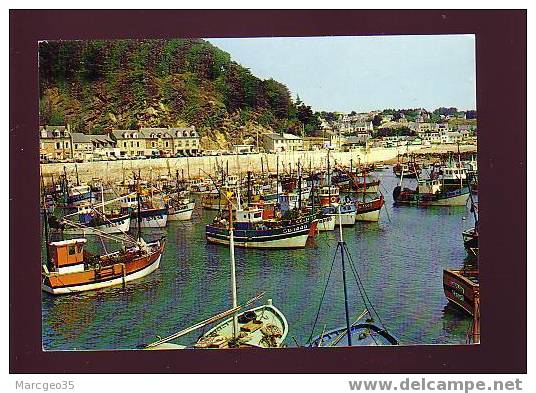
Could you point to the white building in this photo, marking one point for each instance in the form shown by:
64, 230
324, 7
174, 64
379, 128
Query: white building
277, 143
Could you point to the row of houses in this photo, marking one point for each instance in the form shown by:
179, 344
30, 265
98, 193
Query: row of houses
58, 143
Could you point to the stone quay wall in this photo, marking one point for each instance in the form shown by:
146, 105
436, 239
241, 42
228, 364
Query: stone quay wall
113, 171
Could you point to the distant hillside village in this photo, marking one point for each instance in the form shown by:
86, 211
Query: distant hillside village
337, 131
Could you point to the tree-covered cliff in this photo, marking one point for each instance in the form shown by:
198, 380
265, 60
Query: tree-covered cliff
99, 85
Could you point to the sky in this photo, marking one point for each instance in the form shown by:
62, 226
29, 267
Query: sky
365, 73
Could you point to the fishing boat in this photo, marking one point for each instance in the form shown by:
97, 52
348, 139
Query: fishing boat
92, 222
380, 166
363, 333
364, 330
431, 193
361, 183
216, 199
343, 214
261, 327
462, 288
180, 207
180, 210
70, 269
370, 186
79, 194
368, 210
252, 231
453, 176
152, 216
92, 219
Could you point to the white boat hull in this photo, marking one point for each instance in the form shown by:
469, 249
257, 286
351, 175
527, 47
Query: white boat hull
104, 284
326, 223
151, 222
183, 214
292, 242
344, 218
459, 200
372, 190
372, 216
118, 227
267, 314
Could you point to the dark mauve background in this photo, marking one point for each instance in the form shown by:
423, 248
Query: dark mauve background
501, 105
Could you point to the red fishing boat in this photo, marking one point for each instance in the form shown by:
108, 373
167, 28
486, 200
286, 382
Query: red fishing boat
369, 210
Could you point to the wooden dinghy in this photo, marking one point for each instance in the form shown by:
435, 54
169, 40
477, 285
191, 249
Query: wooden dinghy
262, 327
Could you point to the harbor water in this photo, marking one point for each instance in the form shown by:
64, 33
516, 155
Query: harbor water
400, 261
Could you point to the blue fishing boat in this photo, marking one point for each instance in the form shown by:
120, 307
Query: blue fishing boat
359, 332
252, 231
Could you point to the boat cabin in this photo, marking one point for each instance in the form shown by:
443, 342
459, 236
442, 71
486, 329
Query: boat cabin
328, 195
68, 255
249, 216
80, 190
232, 180
328, 191
454, 173
268, 209
429, 186
130, 200
289, 201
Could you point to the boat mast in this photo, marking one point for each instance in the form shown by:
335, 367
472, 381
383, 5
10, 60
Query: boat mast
312, 196
233, 270
277, 181
299, 187
102, 197
45, 222
460, 170
188, 167
249, 188
76, 170
219, 190
65, 185
347, 311
329, 184
364, 183
139, 212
